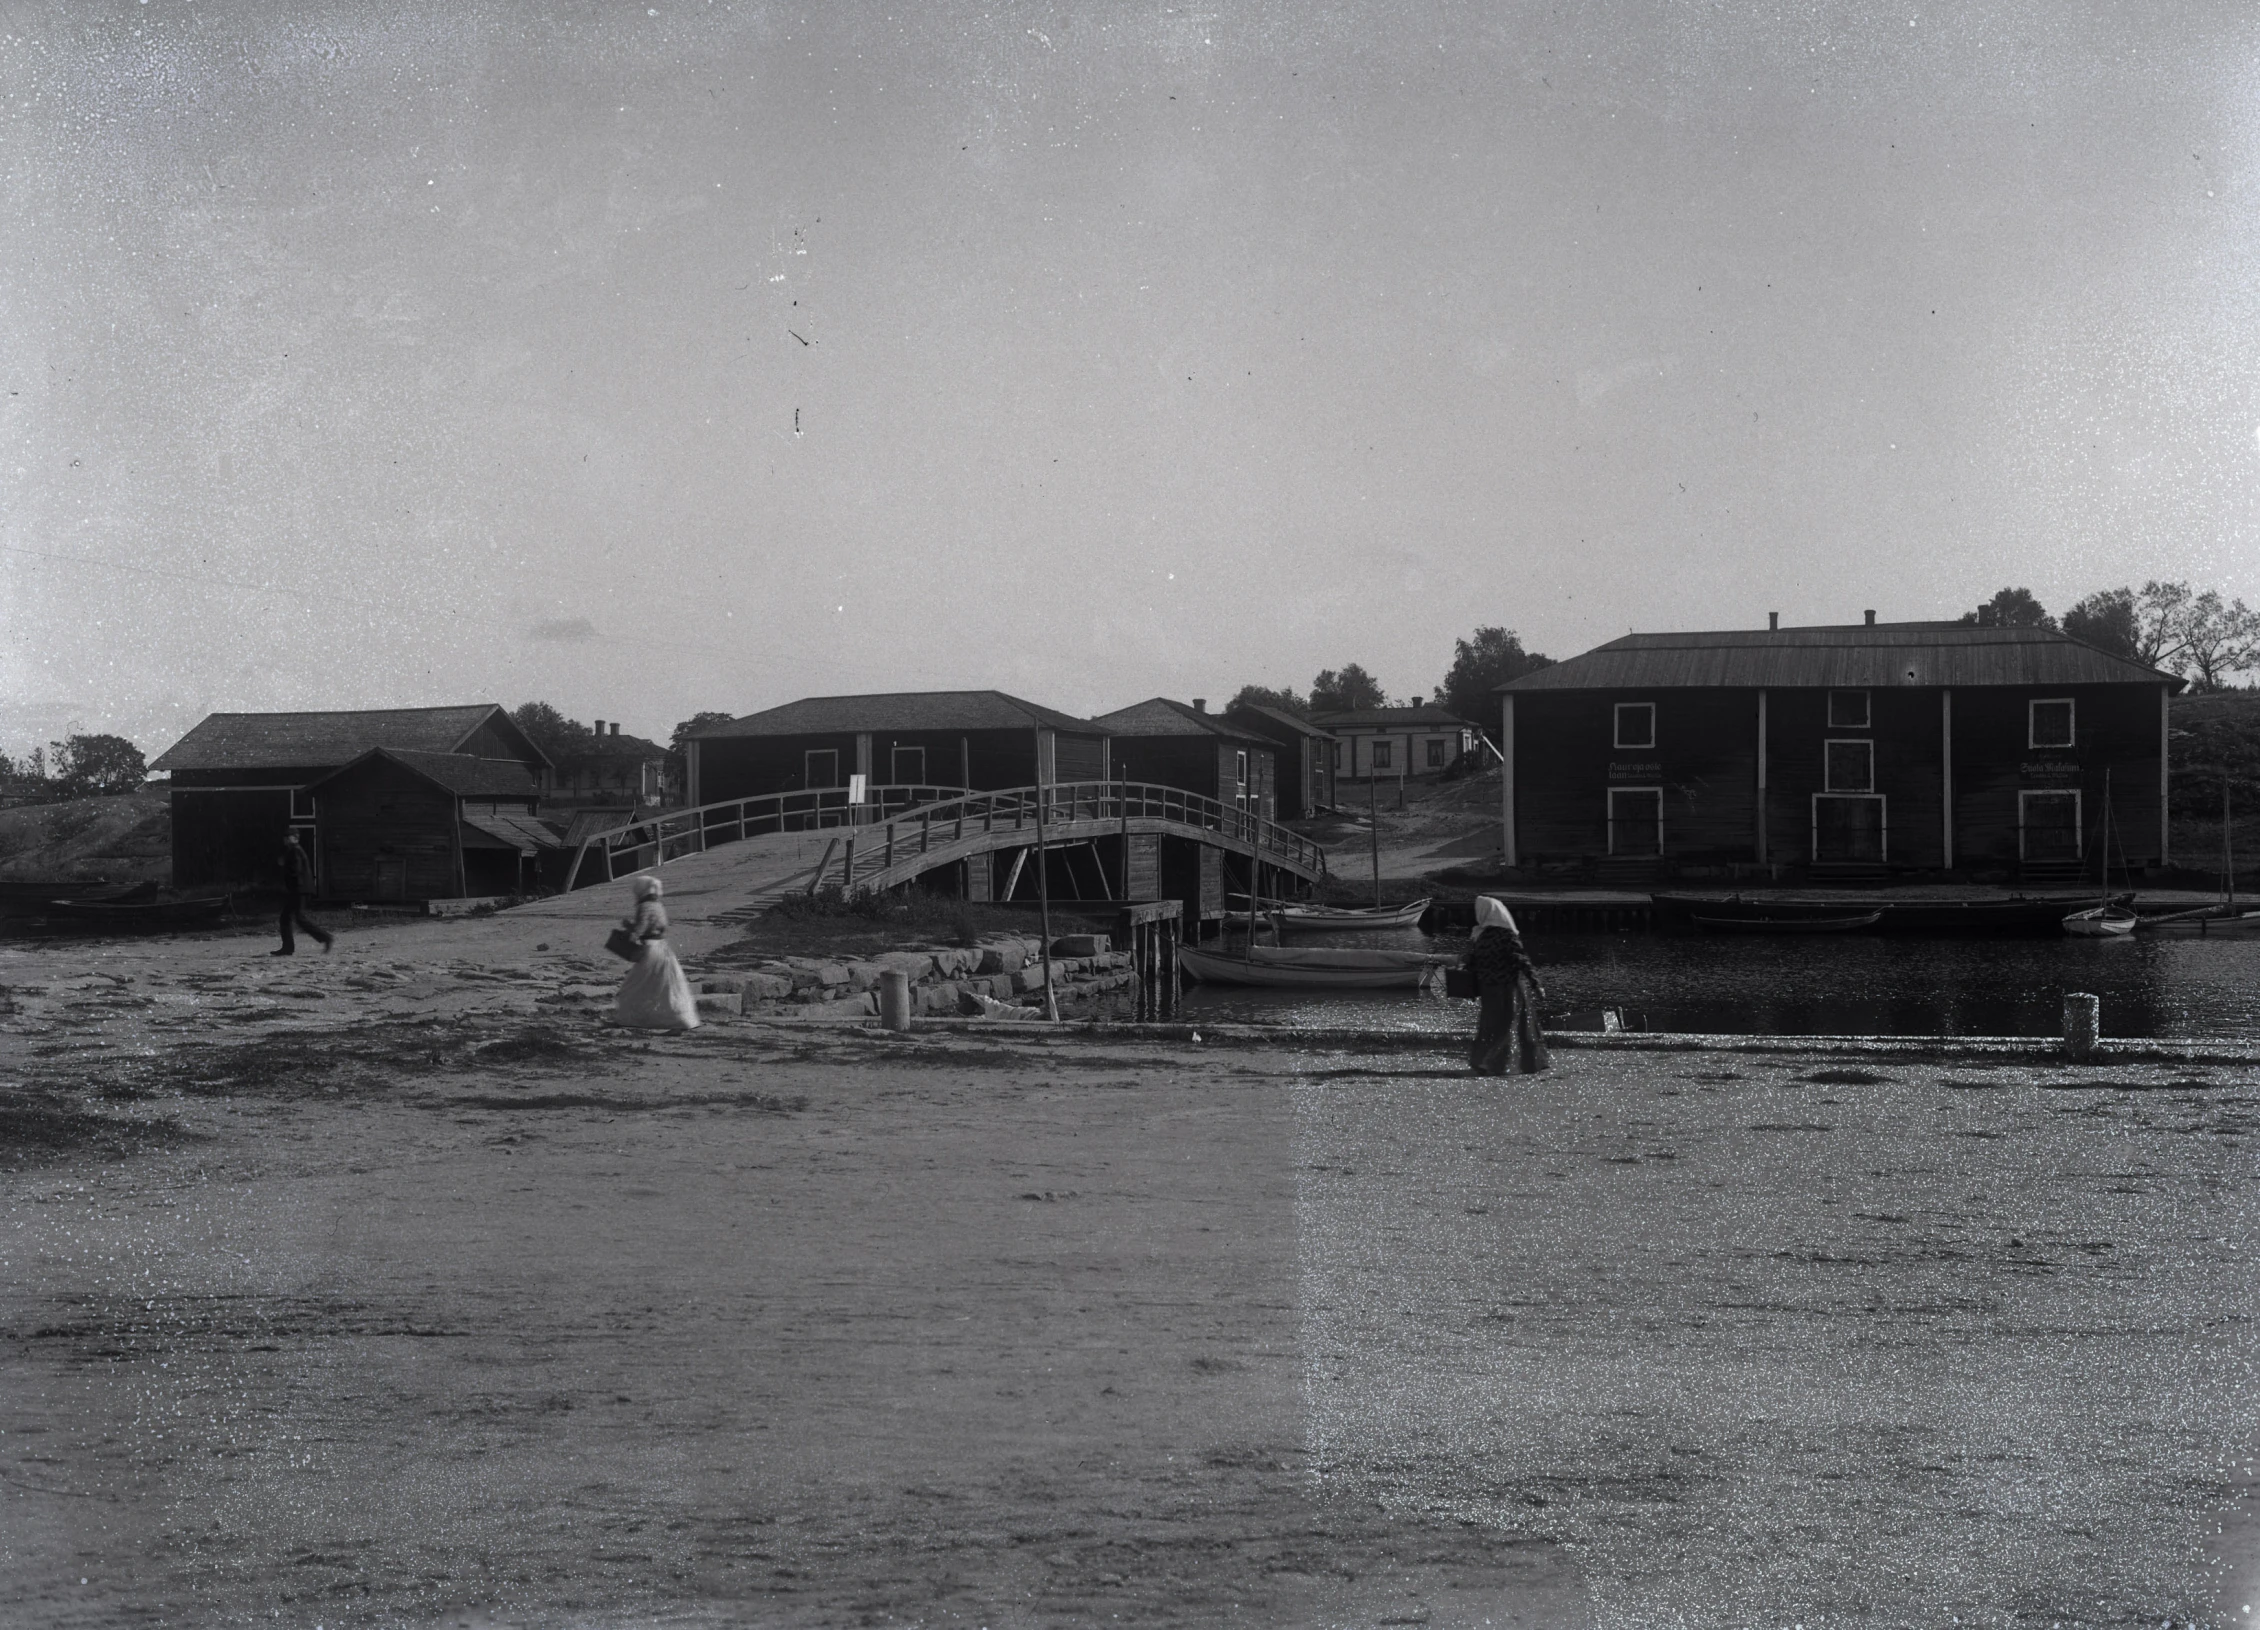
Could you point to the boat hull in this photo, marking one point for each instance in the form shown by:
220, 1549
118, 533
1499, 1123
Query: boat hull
1849, 923
1322, 919
2100, 923
1309, 970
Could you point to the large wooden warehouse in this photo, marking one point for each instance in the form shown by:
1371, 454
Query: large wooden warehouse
1942, 747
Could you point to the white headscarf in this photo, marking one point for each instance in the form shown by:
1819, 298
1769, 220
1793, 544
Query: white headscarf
645, 888
1491, 913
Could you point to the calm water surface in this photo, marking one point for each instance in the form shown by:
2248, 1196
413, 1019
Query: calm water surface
1836, 985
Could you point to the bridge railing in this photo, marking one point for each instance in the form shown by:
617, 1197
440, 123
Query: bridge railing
888, 843
653, 840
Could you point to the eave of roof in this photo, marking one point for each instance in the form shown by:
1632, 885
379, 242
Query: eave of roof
1861, 656
1294, 721
244, 741
900, 710
457, 773
1160, 716
1382, 717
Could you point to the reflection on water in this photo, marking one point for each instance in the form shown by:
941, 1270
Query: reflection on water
1807, 985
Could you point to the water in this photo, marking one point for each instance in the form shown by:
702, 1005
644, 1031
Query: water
1852, 984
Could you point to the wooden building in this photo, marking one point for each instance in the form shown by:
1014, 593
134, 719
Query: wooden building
1305, 755
975, 739
402, 825
1937, 747
240, 780
1413, 743
1173, 745
614, 770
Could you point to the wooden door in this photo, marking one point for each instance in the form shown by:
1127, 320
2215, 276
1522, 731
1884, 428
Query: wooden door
1636, 821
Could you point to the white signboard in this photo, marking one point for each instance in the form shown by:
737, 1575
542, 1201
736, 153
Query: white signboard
859, 789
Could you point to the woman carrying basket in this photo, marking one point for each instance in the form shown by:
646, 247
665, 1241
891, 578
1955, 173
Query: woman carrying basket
655, 995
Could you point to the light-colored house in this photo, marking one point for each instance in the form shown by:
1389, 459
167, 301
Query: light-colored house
1396, 743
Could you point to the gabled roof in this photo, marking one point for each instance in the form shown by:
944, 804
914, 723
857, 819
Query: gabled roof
1159, 716
1278, 715
1392, 718
900, 711
639, 748
459, 773
1861, 656
244, 741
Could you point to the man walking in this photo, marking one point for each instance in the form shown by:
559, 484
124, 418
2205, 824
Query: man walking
297, 880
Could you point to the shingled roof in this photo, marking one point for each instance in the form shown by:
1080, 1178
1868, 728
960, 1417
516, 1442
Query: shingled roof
1159, 716
1278, 715
900, 711
1862, 656
1393, 718
245, 741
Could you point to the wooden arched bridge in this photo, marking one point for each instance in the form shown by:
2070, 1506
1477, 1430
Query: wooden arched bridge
1103, 840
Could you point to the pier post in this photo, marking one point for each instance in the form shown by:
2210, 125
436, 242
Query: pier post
2083, 1024
894, 999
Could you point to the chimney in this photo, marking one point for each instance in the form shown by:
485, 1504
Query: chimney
616, 722
1200, 704
1416, 701
600, 727
1870, 616
1773, 621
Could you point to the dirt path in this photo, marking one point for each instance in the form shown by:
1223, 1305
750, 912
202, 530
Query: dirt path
460, 1319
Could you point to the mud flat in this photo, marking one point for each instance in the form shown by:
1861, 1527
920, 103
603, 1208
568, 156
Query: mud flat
496, 1317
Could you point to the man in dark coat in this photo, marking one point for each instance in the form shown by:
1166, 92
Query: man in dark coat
297, 882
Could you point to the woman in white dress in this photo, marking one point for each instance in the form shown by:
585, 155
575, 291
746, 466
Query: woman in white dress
655, 995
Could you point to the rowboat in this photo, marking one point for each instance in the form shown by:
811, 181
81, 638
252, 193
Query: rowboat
2213, 924
2101, 922
1311, 919
140, 915
1850, 922
1313, 968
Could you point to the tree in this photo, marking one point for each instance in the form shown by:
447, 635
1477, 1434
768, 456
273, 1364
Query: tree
1480, 666
2011, 608
2161, 611
1286, 701
2109, 621
1346, 691
550, 730
2218, 639
97, 765
697, 721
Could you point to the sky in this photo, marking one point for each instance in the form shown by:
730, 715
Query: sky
696, 355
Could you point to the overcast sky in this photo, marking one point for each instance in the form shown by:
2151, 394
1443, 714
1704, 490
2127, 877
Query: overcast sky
661, 357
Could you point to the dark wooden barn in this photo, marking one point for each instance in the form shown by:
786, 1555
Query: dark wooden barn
1305, 757
240, 780
1168, 744
1934, 747
402, 825
975, 739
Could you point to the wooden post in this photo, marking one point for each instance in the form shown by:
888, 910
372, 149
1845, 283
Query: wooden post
1373, 826
1761, 834
1043, 884
2165, 843
1510, 846
1946, 776
2083, 1025
1124, 797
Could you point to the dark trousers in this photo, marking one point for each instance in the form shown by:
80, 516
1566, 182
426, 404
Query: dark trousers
294, 911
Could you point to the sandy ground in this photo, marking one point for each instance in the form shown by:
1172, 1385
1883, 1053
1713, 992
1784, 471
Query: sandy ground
376, 1290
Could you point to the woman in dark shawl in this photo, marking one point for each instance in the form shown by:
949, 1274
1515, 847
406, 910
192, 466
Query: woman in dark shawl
1507, 1037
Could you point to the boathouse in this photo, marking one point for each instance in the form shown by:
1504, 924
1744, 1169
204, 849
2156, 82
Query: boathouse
240, 781
1305, 757
1173, 745
398, 825
1413, 743
1856, 750
976, 739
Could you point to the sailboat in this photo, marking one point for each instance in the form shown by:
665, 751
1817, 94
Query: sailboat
2110, 919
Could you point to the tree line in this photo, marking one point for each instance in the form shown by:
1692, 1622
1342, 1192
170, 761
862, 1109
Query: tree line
2197, 636
84, 764
1481, 663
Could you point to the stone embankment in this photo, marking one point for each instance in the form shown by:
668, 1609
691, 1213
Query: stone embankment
944, 980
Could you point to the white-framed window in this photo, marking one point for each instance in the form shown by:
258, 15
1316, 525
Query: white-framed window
908, 766
822, 767
1240, 768
1848, 710
2051, 722
1337, 756
1384, 756
301, 804
1636, 820
1436, 752
1848, 765
2048, 824
1636, 724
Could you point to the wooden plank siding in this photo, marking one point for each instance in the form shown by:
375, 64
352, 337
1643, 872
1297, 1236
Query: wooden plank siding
1705, 761
752, 766
379, 813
